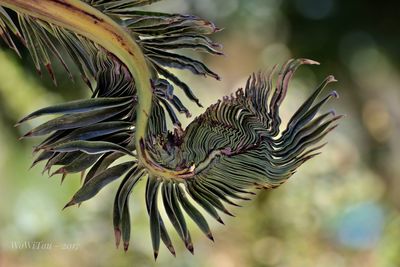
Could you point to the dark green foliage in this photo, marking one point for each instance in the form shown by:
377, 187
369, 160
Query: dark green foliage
236, 146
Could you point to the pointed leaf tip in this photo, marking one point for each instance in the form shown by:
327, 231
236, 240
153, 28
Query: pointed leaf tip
199, 104
126, 246
28, 134
331, 78
32, 165
309, 62
63, 178
190, 247
335, 94
332, 112
71, 203
210, 236
59, 171
229, 213
172, 250
117, 234
155, 255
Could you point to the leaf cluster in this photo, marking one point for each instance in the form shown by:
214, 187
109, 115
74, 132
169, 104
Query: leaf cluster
235, 147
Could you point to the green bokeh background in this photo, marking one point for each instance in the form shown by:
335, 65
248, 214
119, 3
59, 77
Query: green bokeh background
339, 210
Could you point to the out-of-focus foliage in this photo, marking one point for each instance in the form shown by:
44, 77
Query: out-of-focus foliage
340, 211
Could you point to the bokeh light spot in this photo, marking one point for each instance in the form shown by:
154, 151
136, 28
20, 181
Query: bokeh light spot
360, 226
377, 120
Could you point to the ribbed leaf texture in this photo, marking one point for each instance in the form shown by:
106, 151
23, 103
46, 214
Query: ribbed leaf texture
235, 147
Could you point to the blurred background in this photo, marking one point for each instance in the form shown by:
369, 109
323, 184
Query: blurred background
341, 209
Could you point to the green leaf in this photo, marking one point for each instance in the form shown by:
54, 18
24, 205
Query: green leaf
44, 155
193, 212
102, 164
79, 106
74, 121
126, 225
186, 41
152, 208
173, 60
117, 6
117, 216
134, 177
209, 196
186, 89
91, 188
165, 237
93, 131
175, 215
91, 147
61, 159
203, 202
8, 29
78, 164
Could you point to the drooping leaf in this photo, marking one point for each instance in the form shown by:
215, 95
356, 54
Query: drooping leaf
75, 121
152, 209
91, 188
78, 164
102, 164
175, 214
196, 216
94, 147
79, 106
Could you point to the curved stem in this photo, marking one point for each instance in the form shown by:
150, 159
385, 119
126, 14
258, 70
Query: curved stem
87, 21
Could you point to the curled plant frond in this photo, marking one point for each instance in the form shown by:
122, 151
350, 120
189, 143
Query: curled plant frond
125, 55
236, 146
